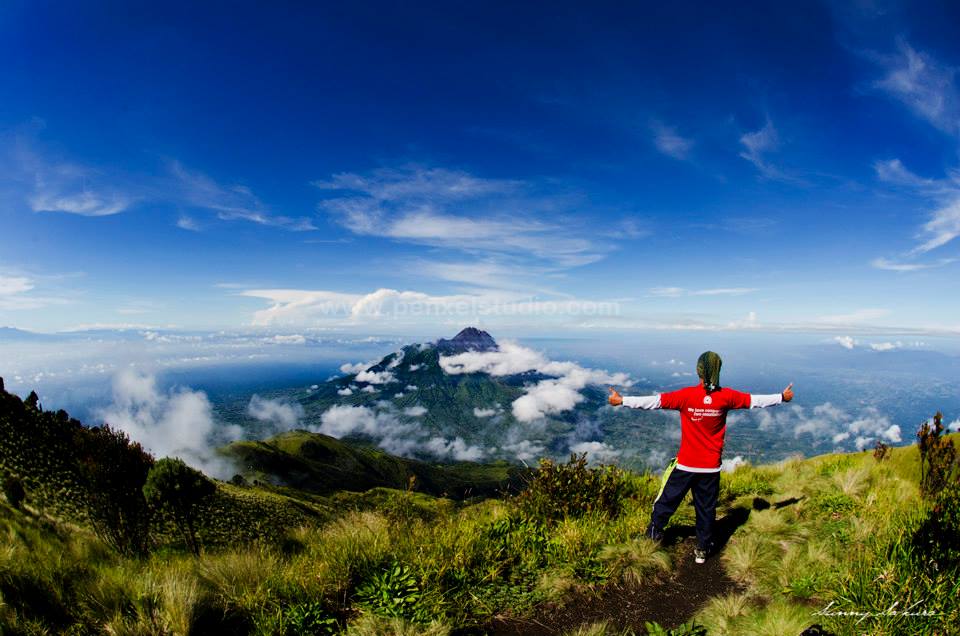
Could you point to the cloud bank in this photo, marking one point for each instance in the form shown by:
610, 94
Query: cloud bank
277, 414
399, 433
177, 423
547, 397
828, 422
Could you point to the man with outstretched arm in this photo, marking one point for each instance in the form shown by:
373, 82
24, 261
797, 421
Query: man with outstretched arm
703, 424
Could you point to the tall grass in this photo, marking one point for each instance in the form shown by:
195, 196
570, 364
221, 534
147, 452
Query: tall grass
834, 529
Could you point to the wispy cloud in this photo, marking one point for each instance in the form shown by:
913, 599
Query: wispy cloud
669, 142
70, 188
897, 266
759, 143
187, 223
408, 307
864, 315
54, 185
757, 146
17, 293
230, 203
293, 306
943, 225
678, 292
923, 85
455, 210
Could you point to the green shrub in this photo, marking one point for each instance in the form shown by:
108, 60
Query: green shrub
13, 491
394, 591
309, 618
573, 489
687, 629
176, 488
937, 457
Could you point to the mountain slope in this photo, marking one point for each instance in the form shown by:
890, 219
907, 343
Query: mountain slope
412, 386
322, 464
795, 537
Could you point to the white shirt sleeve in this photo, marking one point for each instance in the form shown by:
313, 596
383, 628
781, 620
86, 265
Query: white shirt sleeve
642, 401
762, 401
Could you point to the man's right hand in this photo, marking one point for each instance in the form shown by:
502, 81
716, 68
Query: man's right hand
788, 393
615, 398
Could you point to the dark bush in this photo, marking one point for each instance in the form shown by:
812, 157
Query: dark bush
881, 451
939, 535
177, 489
937, 457
573, 489
13, 491
114, 470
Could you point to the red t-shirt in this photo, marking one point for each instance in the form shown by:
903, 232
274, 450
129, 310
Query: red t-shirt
703, 422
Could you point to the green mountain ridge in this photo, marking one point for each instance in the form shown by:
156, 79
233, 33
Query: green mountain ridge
322, 464
475, 407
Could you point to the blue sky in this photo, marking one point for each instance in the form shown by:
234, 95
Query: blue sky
397, 168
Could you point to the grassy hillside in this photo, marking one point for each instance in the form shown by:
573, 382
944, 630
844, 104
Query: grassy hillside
322, 464
802, 534
835, 540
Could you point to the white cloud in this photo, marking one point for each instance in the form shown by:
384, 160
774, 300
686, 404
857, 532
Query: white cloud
677, 292
405, 437
954, 425
924, 85
757, 145
291, 339
10, 285
432, 206
455, 448
410, 387
81, 203
294, 306
943, 224
376, 377
847, 342
886, 346
597, 452
827, 421
899, 266
415, 411
230, 203
355, 367
18, 293
345, 391
178, 423
282, 415
72, 189
185, 222
855, 317
524, 449
547, 397
669, 142
478, 412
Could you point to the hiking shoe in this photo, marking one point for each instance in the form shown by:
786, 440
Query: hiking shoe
654, 533
699, 555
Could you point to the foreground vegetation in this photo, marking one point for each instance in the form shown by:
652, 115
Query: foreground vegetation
815, 540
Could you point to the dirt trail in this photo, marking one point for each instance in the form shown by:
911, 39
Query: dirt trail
670, 599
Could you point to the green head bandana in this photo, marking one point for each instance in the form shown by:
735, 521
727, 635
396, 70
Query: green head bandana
708, 368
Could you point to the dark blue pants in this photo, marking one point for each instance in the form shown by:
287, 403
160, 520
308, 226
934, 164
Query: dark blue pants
676, 483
